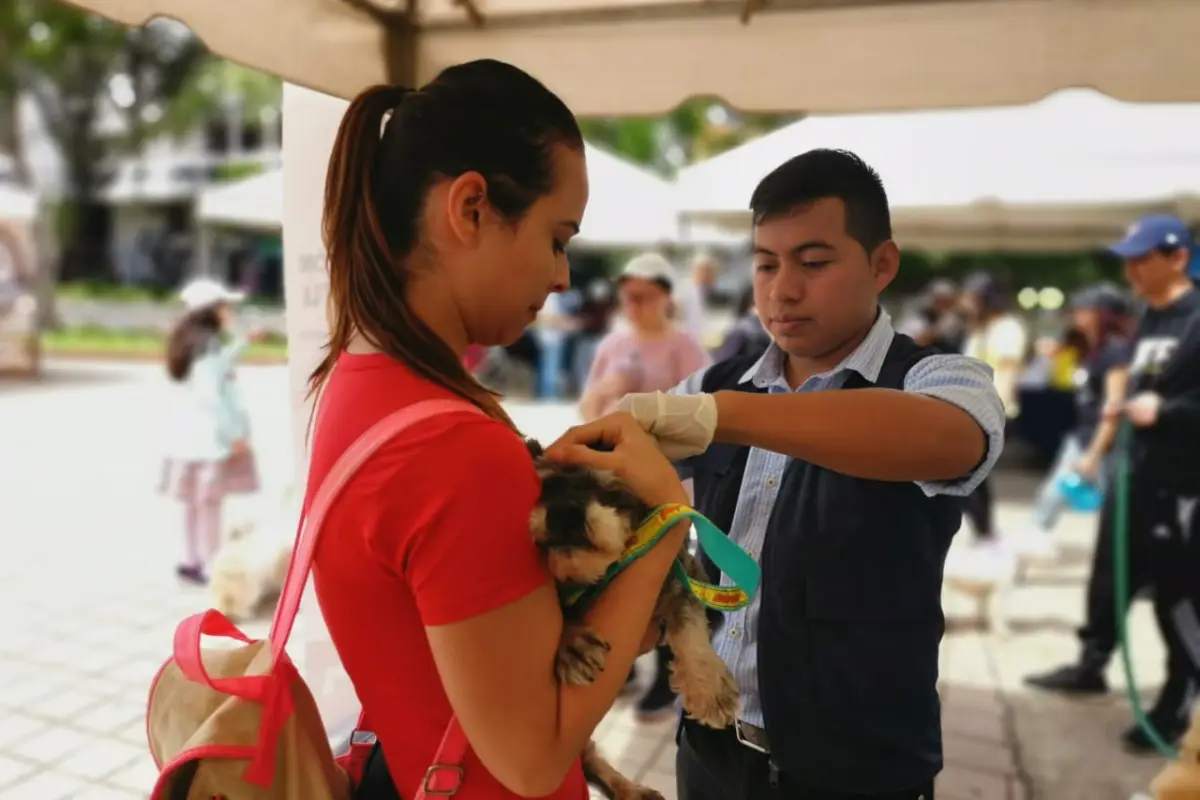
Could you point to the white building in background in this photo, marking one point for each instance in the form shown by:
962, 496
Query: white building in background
149, 203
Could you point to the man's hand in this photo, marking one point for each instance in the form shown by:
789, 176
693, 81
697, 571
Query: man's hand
634, 456
683, 425
1142, 410
1087, 468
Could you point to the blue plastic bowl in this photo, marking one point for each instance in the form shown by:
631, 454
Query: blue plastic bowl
1081, 495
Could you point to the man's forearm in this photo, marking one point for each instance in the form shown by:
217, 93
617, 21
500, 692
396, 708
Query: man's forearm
1102, 440
879, 434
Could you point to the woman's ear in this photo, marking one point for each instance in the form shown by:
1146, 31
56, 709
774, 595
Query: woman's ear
466, 201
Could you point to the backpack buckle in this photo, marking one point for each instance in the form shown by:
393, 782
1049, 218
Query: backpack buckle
443, 780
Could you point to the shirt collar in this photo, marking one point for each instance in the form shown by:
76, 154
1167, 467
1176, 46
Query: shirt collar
866, 359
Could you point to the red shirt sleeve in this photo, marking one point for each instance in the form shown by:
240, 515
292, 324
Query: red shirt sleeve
456, 525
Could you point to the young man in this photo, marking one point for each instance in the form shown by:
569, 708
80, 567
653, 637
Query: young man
839, 459
1163, 405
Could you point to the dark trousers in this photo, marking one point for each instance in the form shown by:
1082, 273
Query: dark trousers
377, 782
978, 509
1164, 558
714, 765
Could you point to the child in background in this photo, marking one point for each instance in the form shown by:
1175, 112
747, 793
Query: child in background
1065, 360
208, 452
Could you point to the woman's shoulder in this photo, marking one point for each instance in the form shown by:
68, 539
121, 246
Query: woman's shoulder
617, 340
356, 399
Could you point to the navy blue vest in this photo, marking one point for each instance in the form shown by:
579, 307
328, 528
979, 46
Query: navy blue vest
851, 616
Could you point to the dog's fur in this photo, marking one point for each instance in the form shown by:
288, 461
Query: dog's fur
249, 570
582, 523
991, 599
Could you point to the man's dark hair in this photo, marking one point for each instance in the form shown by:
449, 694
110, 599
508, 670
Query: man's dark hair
819, 174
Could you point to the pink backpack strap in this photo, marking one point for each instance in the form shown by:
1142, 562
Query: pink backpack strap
444, 777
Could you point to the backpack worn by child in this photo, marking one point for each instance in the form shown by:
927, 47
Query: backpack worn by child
238, 722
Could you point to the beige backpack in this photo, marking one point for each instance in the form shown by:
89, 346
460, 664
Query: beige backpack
1180, 779
238, 722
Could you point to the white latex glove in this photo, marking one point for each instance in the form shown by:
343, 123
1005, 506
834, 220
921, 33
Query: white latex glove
683, 425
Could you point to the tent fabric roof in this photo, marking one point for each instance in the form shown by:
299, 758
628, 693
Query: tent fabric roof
1076, 147
17, 204
627, 205
645, 56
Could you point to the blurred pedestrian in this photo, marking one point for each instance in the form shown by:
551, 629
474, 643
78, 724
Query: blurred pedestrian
1162, 403
938, 320
691, 294
207, 454
997, 337
650, 354
595, 316
1101, 355
746, 336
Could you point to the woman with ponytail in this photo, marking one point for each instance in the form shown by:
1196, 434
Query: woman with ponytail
447, 214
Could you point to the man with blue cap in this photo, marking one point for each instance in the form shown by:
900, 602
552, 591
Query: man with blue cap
1162, 402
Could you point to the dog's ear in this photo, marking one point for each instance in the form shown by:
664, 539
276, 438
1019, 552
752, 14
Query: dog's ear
534, 447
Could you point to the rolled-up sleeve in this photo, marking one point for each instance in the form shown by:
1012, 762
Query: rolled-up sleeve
966, 383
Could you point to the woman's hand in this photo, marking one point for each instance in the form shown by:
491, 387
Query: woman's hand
634, 456
240, 448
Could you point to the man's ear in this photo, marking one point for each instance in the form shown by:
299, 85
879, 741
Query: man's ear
885, 263
466, 202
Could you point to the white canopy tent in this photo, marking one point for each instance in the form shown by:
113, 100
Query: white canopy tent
1068, 172
629, 206
253, 203
17, 204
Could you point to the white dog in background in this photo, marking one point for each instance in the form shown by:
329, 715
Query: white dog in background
249, 569
989, 586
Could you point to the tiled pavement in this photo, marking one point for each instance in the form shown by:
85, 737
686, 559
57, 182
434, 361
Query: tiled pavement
87, 615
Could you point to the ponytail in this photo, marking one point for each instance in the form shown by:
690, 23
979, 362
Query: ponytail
368, 276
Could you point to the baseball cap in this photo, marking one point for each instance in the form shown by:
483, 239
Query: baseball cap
942, 287
1148, 233
203, 292
649, 267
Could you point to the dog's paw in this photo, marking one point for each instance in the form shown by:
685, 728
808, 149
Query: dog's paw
581, 656
707, 690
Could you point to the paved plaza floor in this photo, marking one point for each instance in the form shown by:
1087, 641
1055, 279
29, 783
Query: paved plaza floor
88, 605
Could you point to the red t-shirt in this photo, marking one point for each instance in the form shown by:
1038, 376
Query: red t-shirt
433, 529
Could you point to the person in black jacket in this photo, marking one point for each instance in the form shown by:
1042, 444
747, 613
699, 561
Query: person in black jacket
1162, 402
839, 459
746, 336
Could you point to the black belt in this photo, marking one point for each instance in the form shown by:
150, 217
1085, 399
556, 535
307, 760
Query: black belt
752, 749
752, 736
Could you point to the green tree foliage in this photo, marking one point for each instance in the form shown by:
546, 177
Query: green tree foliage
85, 74
695, 130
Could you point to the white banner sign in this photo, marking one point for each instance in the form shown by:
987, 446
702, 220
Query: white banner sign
311, 121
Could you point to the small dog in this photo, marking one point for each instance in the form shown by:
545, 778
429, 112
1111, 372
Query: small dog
991, 593
583, 522
249, 570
